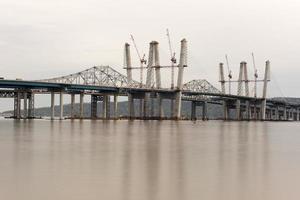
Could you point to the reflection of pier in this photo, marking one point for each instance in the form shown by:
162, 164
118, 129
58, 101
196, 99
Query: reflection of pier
104, 84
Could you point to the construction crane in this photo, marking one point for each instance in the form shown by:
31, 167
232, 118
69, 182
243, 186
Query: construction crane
255, 75
173, 59
142, 60
229, 74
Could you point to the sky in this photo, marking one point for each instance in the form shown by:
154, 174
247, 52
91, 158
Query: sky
49, 38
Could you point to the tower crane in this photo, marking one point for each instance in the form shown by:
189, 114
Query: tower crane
142, 60
173, 59
229, 74
255, 75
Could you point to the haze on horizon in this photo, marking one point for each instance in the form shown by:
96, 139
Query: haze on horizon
48, 38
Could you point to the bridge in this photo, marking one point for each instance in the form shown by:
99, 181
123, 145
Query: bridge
104, 84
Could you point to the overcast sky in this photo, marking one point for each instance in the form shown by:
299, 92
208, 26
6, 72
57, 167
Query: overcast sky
47, 38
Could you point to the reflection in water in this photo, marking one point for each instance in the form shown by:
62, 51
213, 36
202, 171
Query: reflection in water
148, 160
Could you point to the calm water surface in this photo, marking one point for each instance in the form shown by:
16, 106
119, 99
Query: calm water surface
151, 160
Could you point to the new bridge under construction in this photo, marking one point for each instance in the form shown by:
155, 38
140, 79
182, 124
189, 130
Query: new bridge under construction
105, 84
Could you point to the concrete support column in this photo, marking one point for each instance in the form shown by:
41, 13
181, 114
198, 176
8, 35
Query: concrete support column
177, 113
52, 105
225, 110
130, 106
284, 113
222, 78
31, 106
248, 110
104, 107
141, 108
17, 105
172, 108
263, 109
25, 111
61, 105
81, 98
128, 63
146, 101
116, 115
204, 111
94, 106
160, 108
72, 114
298, 114
193, 111
277, 113
152, 107
238, 109
182, 64
107, 116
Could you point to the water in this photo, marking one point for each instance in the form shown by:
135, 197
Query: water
151, 160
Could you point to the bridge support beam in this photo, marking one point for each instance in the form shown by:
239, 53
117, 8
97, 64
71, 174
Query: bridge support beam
177, 113
131, 106
204, 111
225, 110
25, 111
81, 99
61, 105
160, 108
107, 105
116, 115
277, 113
31, 106
193, 111
17, 105
72, 114
238, 109
52, 105
284, 113
248, 110
263, 109
141, 108
94, 102
104, 107
146, 101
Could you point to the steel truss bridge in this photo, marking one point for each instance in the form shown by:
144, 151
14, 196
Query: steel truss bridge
104, 81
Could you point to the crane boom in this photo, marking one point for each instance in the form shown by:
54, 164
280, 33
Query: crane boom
229, 74
141, 59
173, 59
255, 75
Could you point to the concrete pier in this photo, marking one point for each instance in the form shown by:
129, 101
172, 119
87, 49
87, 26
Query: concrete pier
81, 99
31, 106
25, 113
238, 109
52, 105
72, 114
61, 105
116, 114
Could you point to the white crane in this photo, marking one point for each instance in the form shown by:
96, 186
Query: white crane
255, 76
173, 59
142, 60
229, 74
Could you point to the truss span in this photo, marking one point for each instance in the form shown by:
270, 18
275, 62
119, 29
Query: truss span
201, 86
97, 75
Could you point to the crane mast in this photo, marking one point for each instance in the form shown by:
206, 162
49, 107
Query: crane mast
173, 59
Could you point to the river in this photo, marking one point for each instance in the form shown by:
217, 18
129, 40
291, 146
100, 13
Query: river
149, 160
